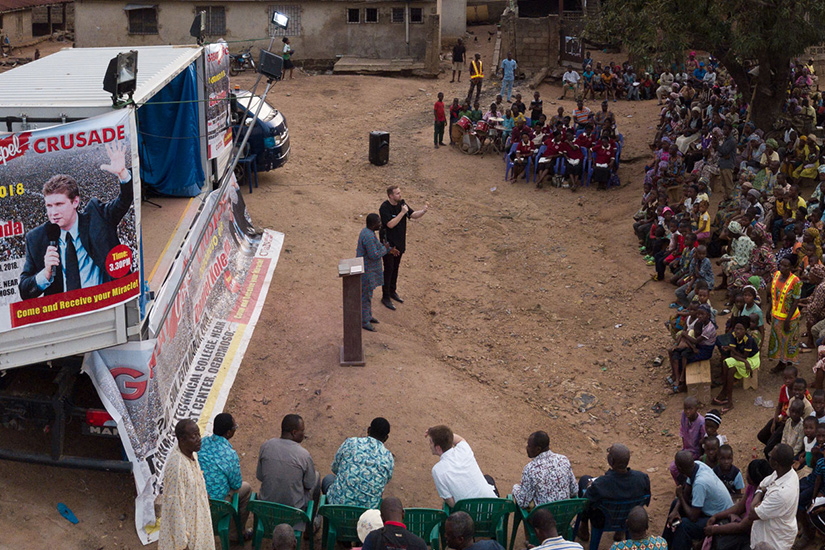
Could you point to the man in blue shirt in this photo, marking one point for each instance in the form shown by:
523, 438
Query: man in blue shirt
361, 469
692, 508
508, 69
221, 467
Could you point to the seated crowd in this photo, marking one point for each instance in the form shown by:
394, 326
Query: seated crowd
713, 499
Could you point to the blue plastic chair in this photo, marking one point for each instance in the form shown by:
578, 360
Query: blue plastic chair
508, 164
537, 157
615, 518
619, 145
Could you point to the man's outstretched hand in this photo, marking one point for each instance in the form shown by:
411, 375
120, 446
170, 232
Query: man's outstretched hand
117, 160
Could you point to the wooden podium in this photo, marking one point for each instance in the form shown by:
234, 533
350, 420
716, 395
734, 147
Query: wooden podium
352, 352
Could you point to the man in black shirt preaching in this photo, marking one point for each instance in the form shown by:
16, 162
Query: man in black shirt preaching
394, 213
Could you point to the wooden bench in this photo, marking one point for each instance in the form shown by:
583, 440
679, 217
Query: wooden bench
751, 382
697, 378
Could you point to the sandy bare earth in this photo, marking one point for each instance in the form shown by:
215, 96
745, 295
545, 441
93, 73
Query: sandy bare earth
518, 302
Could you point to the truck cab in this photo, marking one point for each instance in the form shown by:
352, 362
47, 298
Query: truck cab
269, 141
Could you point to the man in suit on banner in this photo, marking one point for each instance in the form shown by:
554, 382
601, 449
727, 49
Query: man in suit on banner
69, 251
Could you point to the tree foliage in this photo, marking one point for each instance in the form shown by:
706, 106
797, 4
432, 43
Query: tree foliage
739, 33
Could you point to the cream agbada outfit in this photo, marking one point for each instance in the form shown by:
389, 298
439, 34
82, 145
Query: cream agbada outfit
185, 521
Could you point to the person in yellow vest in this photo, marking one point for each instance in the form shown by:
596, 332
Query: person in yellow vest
783, 298
476, 77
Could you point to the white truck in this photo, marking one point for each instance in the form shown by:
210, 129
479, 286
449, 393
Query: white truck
41, 362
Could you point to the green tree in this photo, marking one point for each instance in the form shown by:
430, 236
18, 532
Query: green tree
769, 33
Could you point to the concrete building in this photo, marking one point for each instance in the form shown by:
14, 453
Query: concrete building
453, 19
320, 31
24, 20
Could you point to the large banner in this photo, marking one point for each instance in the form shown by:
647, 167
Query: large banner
213, 296
218, 127
68, 229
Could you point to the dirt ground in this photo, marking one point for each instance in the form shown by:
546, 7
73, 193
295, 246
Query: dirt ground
524, 310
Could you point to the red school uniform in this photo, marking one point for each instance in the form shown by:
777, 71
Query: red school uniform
570, 151
525, 149
604, 154
584, 140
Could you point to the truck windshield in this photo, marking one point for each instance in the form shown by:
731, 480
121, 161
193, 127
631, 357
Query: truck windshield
247, 101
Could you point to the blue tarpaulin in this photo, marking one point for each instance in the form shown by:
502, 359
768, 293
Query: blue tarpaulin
170, 157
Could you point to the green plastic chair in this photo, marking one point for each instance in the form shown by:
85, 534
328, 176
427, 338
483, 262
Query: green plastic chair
269, 514
490, 516
340, 523
426, 523
564, 512
222, 514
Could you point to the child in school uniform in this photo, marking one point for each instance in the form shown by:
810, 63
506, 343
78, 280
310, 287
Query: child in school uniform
728, 473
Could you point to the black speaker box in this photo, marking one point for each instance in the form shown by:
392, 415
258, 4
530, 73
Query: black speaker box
379, 148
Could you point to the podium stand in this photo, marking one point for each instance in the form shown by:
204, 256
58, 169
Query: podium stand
352, 352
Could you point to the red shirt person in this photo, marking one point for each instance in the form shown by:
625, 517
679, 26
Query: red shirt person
440, 121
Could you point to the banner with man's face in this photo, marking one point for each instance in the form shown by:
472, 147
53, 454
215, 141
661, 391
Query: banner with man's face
68, 229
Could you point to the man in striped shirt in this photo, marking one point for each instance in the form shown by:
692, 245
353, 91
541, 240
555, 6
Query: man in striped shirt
545, 525
582, 115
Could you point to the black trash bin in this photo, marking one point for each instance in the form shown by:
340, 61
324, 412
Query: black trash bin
379, 148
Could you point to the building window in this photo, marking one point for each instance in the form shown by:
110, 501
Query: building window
215, 19
143, 20
353, 15
294, 25
416, 15
398, 15
371, 15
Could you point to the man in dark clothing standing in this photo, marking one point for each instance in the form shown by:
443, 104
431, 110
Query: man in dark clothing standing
458, 59
393, 535
394, 213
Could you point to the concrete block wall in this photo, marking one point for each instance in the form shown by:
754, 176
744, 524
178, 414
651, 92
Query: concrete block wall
534, 41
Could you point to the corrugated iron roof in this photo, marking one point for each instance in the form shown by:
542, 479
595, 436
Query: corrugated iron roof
71, 81
12, 5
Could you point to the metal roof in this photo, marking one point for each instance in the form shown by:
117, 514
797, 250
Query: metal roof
70, 81
13, 5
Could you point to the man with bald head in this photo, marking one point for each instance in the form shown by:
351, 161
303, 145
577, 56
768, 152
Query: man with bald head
706, 496
394, 534
637, 526
283, 537
547, 478
459, 530
618, 483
